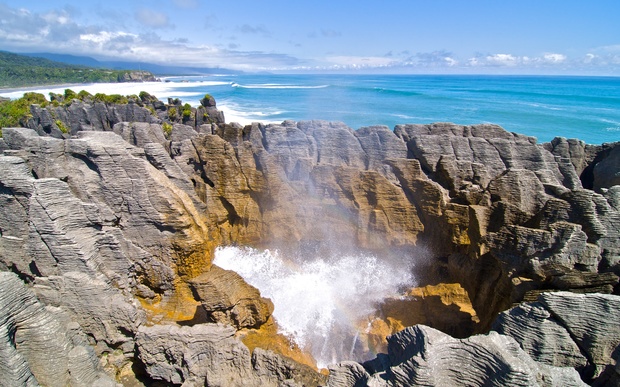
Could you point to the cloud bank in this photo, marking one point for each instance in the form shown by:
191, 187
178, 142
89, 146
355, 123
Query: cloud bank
66, 31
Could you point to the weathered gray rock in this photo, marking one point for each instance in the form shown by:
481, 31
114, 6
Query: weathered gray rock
205, 354
606, 172
137, 76
423, 356
466, 158
592, 320
40, 345
92, 224
541, 335
347, 374
567, 329
209, 354
282, 371
182, 132
140, 133
84, 116
110, 228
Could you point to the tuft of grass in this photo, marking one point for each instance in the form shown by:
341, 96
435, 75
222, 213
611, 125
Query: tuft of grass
172, 113
61, 125
110, 99
167, 129
187, 111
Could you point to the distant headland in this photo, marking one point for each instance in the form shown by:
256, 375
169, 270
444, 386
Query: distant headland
20, 71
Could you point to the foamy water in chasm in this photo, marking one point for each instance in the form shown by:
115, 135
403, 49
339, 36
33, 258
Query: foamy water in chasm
320, 302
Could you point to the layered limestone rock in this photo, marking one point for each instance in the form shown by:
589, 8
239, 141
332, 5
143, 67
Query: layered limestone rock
137, 76
113, 223
538, 344
446, 306
110, 235
89, 113
40, 345
566, 329
227, 299
209, 354
424, 356
94, 228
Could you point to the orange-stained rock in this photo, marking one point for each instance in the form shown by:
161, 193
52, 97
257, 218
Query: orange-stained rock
178, 305
446, 307
228, 299
267, 337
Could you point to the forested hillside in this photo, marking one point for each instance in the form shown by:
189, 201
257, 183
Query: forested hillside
20, 70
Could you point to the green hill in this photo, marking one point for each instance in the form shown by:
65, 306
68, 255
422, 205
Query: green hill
20, 70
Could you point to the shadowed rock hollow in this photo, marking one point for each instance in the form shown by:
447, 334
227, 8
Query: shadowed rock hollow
113, 225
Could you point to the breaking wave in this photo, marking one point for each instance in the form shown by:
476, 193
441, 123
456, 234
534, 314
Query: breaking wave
277, 86
320, 302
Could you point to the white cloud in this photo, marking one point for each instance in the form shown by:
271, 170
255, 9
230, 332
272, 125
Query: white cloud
358, 62
554, 58
439, 58
501, 60
104, 37
60, 17
64, 31
610, 48
25, 31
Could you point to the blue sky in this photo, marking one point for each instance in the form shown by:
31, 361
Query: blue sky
411, 36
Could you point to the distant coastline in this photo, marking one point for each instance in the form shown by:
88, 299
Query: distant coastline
584, 107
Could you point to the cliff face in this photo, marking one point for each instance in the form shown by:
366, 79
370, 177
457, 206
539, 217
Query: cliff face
112, 226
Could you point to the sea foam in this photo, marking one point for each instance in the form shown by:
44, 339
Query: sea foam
320, 302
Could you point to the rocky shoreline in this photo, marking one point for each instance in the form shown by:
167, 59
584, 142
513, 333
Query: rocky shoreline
107, 232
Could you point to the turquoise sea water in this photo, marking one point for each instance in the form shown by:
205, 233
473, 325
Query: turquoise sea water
587, 108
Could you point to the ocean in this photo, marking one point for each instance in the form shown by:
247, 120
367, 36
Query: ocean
587, 108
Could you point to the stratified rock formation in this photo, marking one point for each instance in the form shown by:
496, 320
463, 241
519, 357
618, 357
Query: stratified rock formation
538, 344
40, 344
567, 329
108, 230
422, 356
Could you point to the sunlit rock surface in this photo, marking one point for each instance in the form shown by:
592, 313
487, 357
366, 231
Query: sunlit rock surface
114, 223
566, 329
422, 356
40, 345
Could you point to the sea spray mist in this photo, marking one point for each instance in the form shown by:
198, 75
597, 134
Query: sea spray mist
321, 302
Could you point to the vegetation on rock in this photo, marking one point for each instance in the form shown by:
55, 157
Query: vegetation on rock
167, 128
12, 111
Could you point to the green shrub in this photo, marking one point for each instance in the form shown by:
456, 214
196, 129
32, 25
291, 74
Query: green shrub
144, 96
110, 99
84, 95
69, 96
172, 113
14, 111
61, 125
187, 110
167, 129
54, 97
117, 98
34, 98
